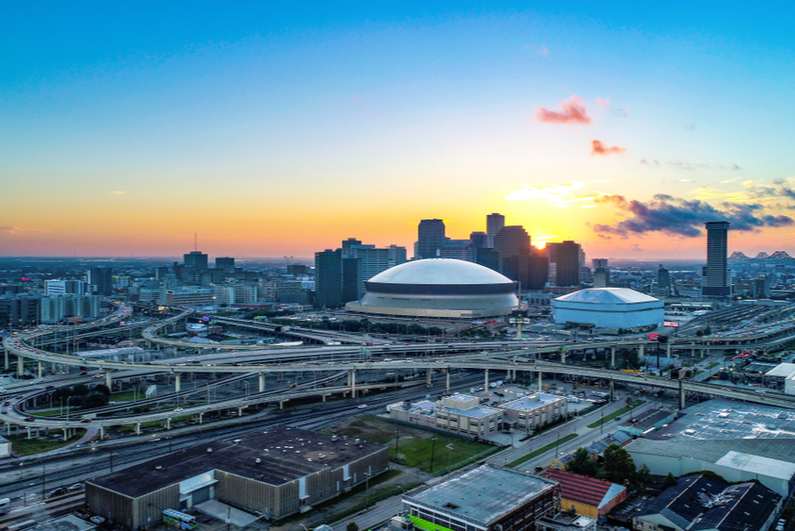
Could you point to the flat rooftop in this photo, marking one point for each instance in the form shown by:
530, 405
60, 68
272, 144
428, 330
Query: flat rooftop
474, 412
285, 455
529, 403
483, 494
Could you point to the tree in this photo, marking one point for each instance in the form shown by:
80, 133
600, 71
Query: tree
669, 481
643, 474
619, 464
80, 390
352, 526
581, 463
94, 399
102, 388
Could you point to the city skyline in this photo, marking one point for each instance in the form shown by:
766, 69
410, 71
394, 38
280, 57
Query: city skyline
277, 131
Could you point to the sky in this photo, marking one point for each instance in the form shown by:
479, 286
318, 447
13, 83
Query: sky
282, 128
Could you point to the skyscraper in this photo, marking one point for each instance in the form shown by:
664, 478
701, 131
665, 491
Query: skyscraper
225, 263
663, 288
512, 240
566, 259
196, 260
601, 273
100, 280
328, 278
494, 223
430, 238
716, 281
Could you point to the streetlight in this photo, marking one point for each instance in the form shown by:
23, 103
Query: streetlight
67, 406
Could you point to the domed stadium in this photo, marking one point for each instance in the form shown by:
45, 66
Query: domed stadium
608, 308
438, 287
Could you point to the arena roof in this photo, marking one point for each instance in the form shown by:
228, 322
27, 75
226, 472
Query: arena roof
607, 296
440, 271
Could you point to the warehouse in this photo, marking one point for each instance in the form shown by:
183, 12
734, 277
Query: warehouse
532, 412
273, 473
608, 308
484, 498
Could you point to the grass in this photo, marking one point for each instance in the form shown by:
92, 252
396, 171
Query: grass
614, 414
540, 451
22, 446
51, 413
712, 365
126, 396
426, 525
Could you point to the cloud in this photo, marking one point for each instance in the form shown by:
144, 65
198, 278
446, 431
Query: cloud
116, 192
681, 217
572, 111
560, 196
604, 103
13, 229
690, 166
598, 148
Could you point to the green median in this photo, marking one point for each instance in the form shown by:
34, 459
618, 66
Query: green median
540, 451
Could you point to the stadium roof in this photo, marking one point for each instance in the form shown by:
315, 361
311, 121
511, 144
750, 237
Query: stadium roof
607, 296
440, 271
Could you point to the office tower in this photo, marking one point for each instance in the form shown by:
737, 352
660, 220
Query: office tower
716, 281
762, 286
479, 239
328, 278
17, 311
601, 273
63, 287
494, 224
161, 272
430, 239
564, 260
100, 280
512, 240
196, 260
352, 283
226, 264
296, 269
372, 260
531, 270
488, 258
663, 288
457, 249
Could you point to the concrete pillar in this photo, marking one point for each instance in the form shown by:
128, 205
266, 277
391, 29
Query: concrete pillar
563, 356
240, 411
668, 350
612, 357
540, 383
352, 380
168, 423
281, 403
262, 382
178, 382
324, 397
486, 380
138, 428
612, 389
640, 352
447, 381
40, 370
681, 396
28, 432
108, 379
201, 418
101, 433
7, 365
65, 435
428, 380
20, 365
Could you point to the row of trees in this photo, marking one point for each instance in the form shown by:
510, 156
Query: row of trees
618, 466
82, 396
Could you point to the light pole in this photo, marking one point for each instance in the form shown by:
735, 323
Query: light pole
67, 406
245, 382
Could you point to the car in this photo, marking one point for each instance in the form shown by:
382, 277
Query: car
178, 410
7, 403
60, 491
29, 419
98, 376
363, 406
617, 418
85, 420
76, 486
96, 519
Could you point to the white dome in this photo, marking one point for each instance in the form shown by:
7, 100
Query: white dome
607, 296
440, 271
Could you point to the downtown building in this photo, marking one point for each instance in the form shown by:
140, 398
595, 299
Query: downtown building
716, 279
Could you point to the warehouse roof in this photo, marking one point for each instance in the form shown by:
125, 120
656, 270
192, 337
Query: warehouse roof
529, 403
784, 369
275, 456
483, 494
699, 503
590, 491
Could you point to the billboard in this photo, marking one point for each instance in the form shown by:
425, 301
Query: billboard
671, 324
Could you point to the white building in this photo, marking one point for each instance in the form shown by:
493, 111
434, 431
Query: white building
64, 287
608, 308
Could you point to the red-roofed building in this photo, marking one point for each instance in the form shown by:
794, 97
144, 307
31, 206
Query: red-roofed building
586, 496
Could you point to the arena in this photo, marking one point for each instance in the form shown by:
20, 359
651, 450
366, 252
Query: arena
438, 287
608, 308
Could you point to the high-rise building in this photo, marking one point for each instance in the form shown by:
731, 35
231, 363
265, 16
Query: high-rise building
100, 280
531, 270
566, 259
762, 286
328, 278
17, 311
225, 263
488, 258
494, 224
601, 273
716, 280
512, 240
352, 283
663, 284
196, 260
161, 272
430, 239
372, 260
63, 287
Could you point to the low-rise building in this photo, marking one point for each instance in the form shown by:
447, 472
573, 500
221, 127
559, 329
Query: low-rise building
483, 498
464, 415
274, 473
699, 503
531, 412
5, 447
584, 495
649, 420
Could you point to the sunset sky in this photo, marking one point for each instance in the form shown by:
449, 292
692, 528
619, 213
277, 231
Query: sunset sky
125, 128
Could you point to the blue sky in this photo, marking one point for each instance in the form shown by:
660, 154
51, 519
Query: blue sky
280, 129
